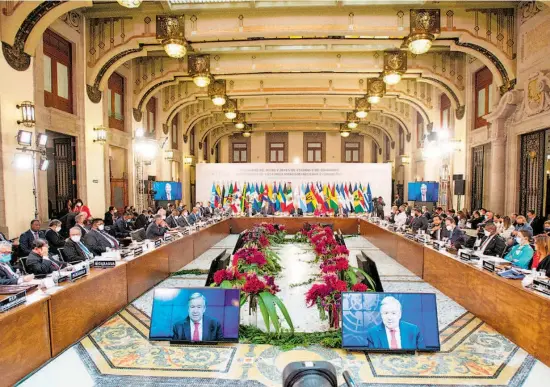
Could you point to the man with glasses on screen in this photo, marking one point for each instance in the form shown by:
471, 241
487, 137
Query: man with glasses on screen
424, 196
197, 326
393, 333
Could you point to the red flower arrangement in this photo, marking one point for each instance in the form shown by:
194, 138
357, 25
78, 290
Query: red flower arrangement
359, 287
230, 274
249, 256
335, 265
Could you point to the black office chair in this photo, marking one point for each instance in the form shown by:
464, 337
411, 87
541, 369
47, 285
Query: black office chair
22, 264
62, 256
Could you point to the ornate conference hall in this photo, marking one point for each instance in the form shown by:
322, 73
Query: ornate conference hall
275, 193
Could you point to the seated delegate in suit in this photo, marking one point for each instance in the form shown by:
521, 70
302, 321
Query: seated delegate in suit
7, 274
172, 220
424, 196
249, 210
156, 229
475, 220
456, 235
55, 240
197, 326
75, 250
419, 222
97, 240
207, 210
110, 216
29, 236
267, 208
39, 261
492, 243
341, 211
142, 220
521, 253
536, 222
394, 333
182, 220
122, 228
80, 223
439, 231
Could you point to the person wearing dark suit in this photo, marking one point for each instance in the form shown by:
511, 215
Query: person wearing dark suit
197, 326
71, 218
97, 240
536, 222
296, 212
207, 210
341, 211
424, 195
438, 230
456, 236
267, 208
167, 193
397, 202
122, 229
492, 243
142, 220
75, 250
250, 211
55, 240
110, 216
182, 221
29, 236
419, 222
39, 262
7, 274
172, 220
394, 333
80, 223
156, 229
427, 214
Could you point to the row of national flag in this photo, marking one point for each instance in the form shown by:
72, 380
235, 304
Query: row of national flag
310, 197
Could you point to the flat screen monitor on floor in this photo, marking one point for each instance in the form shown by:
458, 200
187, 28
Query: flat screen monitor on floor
240, 241
189, 315
217, 264
369, 266
390, 321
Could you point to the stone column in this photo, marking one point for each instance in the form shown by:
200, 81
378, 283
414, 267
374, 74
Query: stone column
497, 173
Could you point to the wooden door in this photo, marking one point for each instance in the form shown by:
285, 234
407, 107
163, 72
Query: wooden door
119, 194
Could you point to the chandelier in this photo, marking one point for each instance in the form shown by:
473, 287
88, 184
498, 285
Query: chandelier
425, 24
376, 88
247, 131
216, 92
171, 34
395, 65
199, 69
130, 3
230, 109
240, 121
362, 107
344, 131
352, 121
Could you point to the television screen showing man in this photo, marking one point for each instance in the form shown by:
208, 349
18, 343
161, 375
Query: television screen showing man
167, 190
390, 321
195, 315
423, 191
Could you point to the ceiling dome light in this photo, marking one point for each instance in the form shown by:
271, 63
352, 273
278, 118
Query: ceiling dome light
240, 121
230, 115
218, 100
420, 44
392, 77
376, 88
373, 99
230, 109
216, 92
175, 48
344, 133
361, 113
130, 3
352, 124
201, 81
247, 133
362, 107
239, 125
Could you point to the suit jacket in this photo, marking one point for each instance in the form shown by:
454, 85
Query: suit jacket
496, 246
55, 241
6, 277
83, 230
457, 237
537, 224
39, 266
122, 230
141, 222
252, 212
419, 223
427, 215
207, 211
154, 231
25, 242
183, 222
108, 220
411, 338
341, 212
211, 329
172, 222
267, 211
73, 252
192, 219
97, 242
71, 221
429, 198
443, 233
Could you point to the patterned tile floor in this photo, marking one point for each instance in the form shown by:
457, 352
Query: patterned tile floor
118, 353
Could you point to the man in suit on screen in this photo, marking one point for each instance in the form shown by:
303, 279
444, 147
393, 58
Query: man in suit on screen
167, 194
424, 196
394, 333
197, 326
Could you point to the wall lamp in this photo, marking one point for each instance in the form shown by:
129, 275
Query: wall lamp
188, 160
100, 134
27, 114
169, 155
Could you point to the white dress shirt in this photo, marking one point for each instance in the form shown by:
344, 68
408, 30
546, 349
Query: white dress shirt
397, 337
10, 270
192, 324
401, 219
508, 232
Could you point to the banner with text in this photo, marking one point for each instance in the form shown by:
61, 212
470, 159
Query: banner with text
311, 187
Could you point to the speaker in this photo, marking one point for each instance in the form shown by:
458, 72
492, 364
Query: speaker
460, 187
458, 177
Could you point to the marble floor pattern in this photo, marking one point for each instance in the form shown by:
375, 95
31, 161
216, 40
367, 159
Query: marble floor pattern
118, 353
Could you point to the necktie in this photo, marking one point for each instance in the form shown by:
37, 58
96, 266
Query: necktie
85, 249
112, 240
196, 332
393, 344
423, 198
35, 235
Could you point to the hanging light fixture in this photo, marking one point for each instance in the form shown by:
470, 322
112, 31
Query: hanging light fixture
230, 109
199, 69
362, 107
130, 3
169, 155
425, 25
216, 92
344, 131
27, 114
171, 34
376, 88
395, 65
100, 134
240, 121
352, 121
247, 131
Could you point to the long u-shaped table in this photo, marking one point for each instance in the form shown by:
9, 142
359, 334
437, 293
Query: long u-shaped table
45, 325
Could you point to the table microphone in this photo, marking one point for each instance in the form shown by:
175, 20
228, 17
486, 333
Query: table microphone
349, 379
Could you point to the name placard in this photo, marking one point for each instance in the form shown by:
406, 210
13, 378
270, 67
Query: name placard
168, 238
104, 264
489, 266
465, 256
541, 285
77, 274
138, 251
13, 301
158, 242
126, 254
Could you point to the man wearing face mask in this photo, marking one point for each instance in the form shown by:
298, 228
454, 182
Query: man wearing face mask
75, 250
182, 219
110, 216
492, 243
97, 240
157, 229
39, 261
456, 235
55, 240
7, 274
122, 225
172, 220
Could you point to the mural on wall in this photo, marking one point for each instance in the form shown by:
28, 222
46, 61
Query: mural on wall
536, 98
